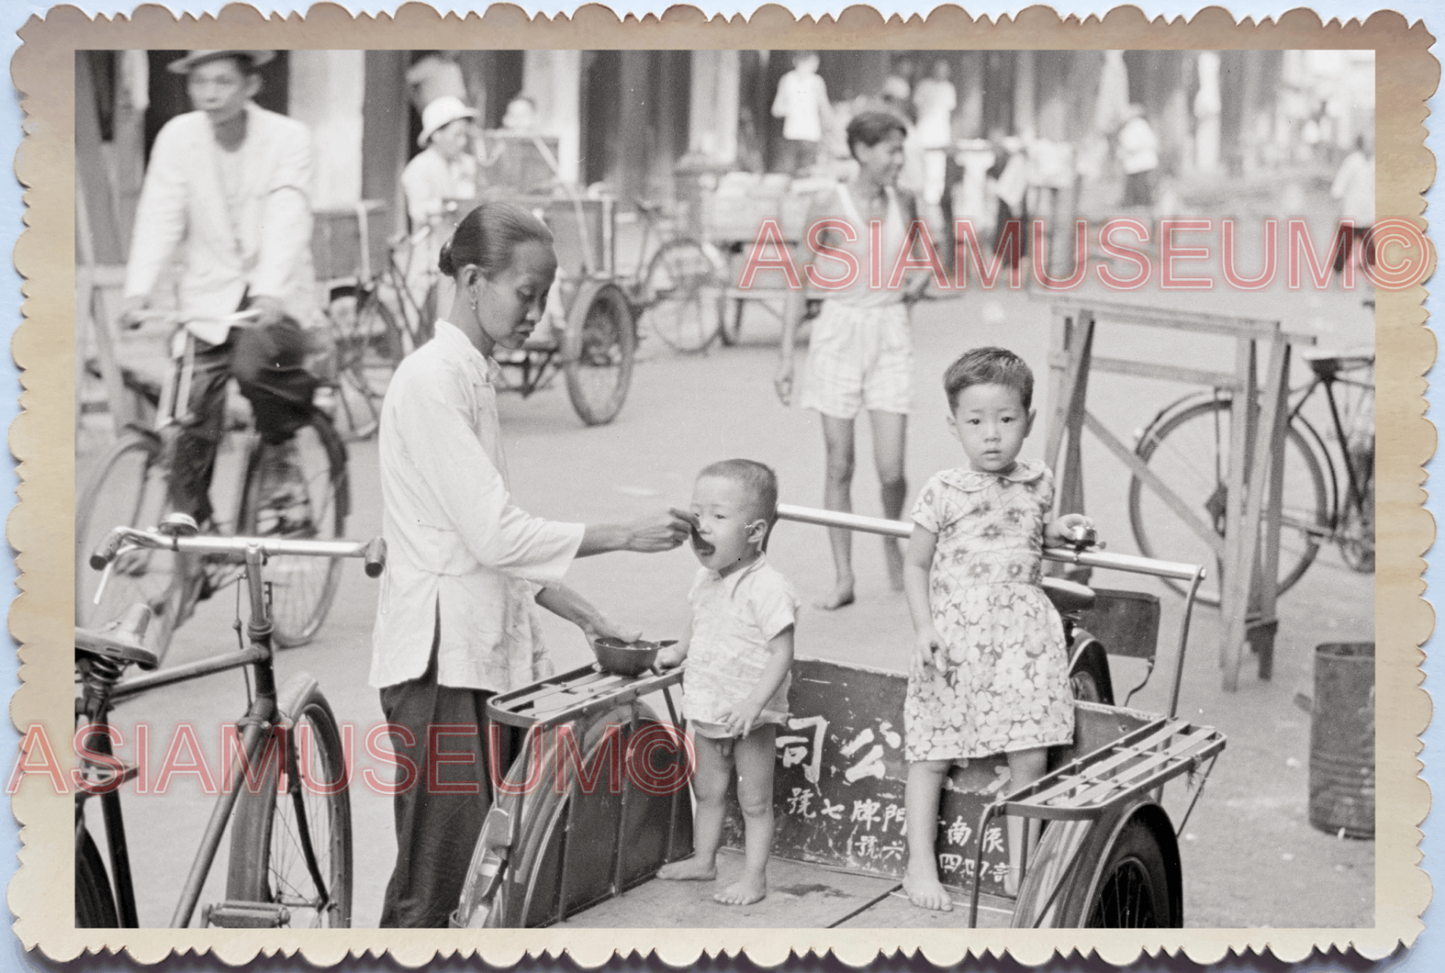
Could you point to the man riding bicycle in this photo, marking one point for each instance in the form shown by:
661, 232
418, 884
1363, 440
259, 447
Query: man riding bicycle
229, 183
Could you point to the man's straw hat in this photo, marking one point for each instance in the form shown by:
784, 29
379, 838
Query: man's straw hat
197, 58
441, 113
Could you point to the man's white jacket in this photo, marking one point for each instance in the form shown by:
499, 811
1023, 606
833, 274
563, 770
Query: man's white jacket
268, 250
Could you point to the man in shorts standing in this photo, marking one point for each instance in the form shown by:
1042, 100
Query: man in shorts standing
860, 353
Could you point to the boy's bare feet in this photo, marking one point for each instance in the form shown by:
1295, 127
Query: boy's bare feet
926, 892
687, 870
745, 891
893, 558
840, 596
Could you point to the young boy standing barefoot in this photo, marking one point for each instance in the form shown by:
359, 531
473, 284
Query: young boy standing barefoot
739, 650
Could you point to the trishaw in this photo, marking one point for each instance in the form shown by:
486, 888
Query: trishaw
377, 315
596, 801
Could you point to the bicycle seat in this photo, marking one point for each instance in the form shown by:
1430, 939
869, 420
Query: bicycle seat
120, 641
1328, 364
1068, 596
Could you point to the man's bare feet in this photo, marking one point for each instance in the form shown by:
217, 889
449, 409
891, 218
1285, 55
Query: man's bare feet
926, 892
745, 891
688, 870
893, 558
840, 596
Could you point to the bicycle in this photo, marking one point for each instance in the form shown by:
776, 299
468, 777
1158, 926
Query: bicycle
1187, 446
131, 485
289, 859
376, 321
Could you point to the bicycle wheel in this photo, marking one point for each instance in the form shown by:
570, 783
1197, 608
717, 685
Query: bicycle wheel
1355, 398
129, 487
1189, 451
368, 348
302, 588
94, 902
293, 848
598, 350
683, 294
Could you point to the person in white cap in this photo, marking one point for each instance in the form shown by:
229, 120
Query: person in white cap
229, 185
445, 169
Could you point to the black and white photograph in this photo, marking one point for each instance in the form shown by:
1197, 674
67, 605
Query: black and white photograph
849, 488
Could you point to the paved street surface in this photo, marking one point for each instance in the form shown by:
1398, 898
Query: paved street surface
1250, 855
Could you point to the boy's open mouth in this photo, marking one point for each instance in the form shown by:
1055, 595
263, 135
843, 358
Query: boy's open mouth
701, 546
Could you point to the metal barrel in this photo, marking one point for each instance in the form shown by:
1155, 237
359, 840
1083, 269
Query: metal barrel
1342, 740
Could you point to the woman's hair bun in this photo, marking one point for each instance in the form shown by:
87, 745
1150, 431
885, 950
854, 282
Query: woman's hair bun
444, 260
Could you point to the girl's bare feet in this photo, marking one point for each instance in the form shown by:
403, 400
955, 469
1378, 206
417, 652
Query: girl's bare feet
840, 596
745, 891
926, 892
688, 870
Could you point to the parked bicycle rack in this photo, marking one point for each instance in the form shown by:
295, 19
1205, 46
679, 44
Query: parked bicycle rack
1248, 559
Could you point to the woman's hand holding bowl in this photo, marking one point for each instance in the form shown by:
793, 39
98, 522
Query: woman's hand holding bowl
604, 627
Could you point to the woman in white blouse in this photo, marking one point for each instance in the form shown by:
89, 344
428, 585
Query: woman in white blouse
456, 622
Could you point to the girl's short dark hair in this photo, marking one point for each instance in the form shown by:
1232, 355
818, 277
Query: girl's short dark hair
871, 127
488, 236
989, 366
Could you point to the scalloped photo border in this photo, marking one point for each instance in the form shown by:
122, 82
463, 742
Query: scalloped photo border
42, 440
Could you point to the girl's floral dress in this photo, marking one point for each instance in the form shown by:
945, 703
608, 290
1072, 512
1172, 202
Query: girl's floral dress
1006, 682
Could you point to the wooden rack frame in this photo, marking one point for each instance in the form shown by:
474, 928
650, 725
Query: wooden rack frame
1248, 559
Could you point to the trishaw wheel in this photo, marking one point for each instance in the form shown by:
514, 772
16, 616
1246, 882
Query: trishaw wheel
598, 352
1121, 871
1089, 679
683, 294
1133, 887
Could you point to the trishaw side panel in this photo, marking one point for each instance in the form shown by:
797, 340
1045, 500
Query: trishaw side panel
839, 780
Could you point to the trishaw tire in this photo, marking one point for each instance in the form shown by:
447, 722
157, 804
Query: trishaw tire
94, 902
1121, 871
683, 293
129, 487
598, 350
1133, 890
1089, 678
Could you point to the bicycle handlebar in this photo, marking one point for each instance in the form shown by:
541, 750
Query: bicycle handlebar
1094, 559
373, 552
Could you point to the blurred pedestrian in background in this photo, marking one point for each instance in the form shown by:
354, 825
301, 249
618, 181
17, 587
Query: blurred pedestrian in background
1354, 187
935, 99
229, 184
444, 171
433, 75
802, 103
1138, 151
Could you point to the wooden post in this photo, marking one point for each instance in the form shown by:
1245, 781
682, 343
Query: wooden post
1234, 575
1266, 501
